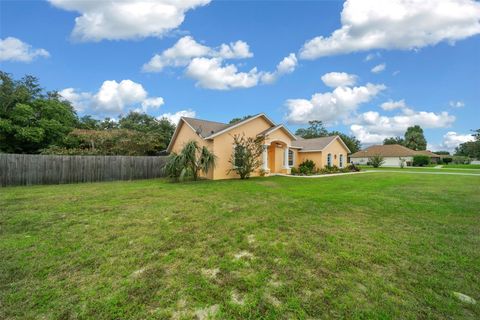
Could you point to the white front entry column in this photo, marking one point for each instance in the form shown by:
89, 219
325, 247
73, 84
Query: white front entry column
265, 158
285, 160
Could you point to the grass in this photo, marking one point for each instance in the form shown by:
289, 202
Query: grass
367, 246
424, 169
463, 166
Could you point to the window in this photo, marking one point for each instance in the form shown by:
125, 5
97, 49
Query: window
341, 161
290, 158
329, 160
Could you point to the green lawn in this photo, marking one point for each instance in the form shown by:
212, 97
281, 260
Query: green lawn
463, 166
366, 246
426, 169
423, 169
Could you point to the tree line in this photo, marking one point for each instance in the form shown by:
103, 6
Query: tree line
415, 140
34, 121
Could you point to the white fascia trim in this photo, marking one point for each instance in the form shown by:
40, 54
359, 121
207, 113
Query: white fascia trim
285, 128
241, 123
311, 150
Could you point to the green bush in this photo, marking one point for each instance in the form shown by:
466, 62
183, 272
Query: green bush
461, 160
376, 161
421, 160
352, 168
326, 170
307, 167
447, 160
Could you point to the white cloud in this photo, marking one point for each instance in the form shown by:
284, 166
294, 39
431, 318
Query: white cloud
371, 127
211, 74
339, 79
396, 24
113, 97
372, 56
456, 104
235, 50
79, 100
287, 65
180, 54
126, 19
13, 49
150, 103
379, 68
451, 140
207, 65
331, 106
392, 105
175, 117
186, 49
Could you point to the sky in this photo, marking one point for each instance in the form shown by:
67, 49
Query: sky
364, 67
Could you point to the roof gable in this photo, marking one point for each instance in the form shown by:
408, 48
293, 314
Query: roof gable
275, 128
204, 128
389, 150
317, 144
240, 123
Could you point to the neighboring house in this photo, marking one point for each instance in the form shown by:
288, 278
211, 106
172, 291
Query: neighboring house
392, 154
282, 149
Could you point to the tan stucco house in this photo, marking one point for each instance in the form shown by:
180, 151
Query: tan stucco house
282, 149
393, 155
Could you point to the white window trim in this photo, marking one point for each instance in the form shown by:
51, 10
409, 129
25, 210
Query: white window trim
293, 158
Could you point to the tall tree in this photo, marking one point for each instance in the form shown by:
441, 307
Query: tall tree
88, 123
239, 119
315, 129
30, 120
394, 140
163, 129
414, 138
471, 148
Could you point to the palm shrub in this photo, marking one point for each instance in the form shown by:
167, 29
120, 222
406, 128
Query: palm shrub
376, 160
191, 160
174, 168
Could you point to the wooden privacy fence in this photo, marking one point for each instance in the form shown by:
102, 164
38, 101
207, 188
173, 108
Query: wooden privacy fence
26, 169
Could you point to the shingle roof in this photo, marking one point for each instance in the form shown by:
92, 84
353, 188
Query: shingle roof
427, 153
208, 129
204, 127
278, 126
267, 131
389, 150
313, 144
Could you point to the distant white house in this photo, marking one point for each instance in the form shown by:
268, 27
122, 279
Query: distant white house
393, 155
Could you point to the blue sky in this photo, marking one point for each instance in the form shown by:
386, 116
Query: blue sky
310, 58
